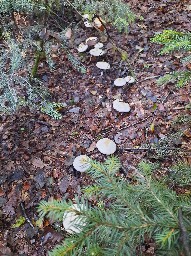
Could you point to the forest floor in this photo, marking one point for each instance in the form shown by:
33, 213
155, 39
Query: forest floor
37, 152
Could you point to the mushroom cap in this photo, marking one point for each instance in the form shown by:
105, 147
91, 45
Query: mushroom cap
82, 47
106, 146
71, 220
87, 24
96, 52
119, 82
98, 45
81, 163
121, 106
129, 79
103, 65
91, 41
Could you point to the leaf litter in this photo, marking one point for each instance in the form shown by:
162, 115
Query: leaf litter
37, 152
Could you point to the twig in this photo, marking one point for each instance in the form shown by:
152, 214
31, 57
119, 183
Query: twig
184, 234
163, 101
25, 215
136, 149
147, 149
133, 124
179, 108
148, 78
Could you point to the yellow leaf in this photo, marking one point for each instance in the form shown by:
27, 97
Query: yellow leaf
20, 221
124, 55
152, 127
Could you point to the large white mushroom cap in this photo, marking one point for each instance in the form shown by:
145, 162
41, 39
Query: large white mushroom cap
72, 222
81, 163
96, 52
119, 82
121, 106
82, 47
106, 146
103, 65
129, 79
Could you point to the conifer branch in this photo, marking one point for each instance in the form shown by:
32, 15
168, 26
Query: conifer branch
184, 234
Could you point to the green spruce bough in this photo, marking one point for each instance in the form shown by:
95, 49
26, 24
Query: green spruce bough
126, 213
174, 42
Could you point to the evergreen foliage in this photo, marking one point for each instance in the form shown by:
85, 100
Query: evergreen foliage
174, 41
180, 175
125, 214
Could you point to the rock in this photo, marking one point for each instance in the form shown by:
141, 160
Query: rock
75, 110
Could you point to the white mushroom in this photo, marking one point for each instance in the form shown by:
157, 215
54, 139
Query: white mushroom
121, 106
81, 163
103, 65
119, 82
73, 223
129, 79
96, 52
91, 40
87, 24
82, 47
106, 146
98, 45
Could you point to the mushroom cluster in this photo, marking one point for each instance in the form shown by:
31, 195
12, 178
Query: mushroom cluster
121, 81
92, 41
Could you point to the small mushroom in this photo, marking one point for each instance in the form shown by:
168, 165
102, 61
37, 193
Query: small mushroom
82, 47
91, 41
96, 52
87, 24
129, 79
103, 65
72, 222
119, 82
81, 163
98, 45
121, 106
106, 146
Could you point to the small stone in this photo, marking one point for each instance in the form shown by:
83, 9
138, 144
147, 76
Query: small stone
75, 110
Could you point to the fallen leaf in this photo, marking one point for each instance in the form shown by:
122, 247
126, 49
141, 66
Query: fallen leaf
152, 127
38, 163
68, 33
92, 147
63, 185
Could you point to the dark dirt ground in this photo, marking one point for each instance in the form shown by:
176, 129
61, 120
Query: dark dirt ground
37, 152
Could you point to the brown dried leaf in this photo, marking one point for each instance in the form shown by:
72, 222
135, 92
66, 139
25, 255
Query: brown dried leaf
92, 147
38, 163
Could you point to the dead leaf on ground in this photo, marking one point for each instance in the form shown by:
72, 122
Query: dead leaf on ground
38, 163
